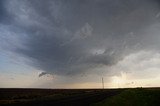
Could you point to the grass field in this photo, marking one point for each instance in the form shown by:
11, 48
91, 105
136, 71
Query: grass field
134, 97
80, 97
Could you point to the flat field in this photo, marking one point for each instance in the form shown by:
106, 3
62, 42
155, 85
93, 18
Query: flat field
80, 97
56, 97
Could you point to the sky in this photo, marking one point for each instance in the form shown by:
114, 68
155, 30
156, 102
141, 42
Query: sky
74, 43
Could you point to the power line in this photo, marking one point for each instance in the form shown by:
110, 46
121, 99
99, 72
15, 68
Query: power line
102, 83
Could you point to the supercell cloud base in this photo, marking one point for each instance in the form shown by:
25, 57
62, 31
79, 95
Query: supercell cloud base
74, 43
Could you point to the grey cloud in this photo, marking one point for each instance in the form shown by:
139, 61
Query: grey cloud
85, 31
61, 37
82, 33
42, 74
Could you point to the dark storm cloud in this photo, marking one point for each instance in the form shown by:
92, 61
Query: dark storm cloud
70, 37
42, 74
2, 11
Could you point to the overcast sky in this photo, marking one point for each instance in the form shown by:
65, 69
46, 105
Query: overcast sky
74, 43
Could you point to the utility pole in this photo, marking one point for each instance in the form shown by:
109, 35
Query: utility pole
102, 83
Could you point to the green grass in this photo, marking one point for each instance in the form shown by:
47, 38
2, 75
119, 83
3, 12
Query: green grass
133, 97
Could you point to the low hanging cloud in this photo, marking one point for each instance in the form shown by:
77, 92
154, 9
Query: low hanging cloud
72, 37
42, 74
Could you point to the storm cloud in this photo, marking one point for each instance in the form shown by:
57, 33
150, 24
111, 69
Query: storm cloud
69, 37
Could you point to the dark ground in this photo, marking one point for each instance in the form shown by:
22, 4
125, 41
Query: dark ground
80, 97
56, 97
